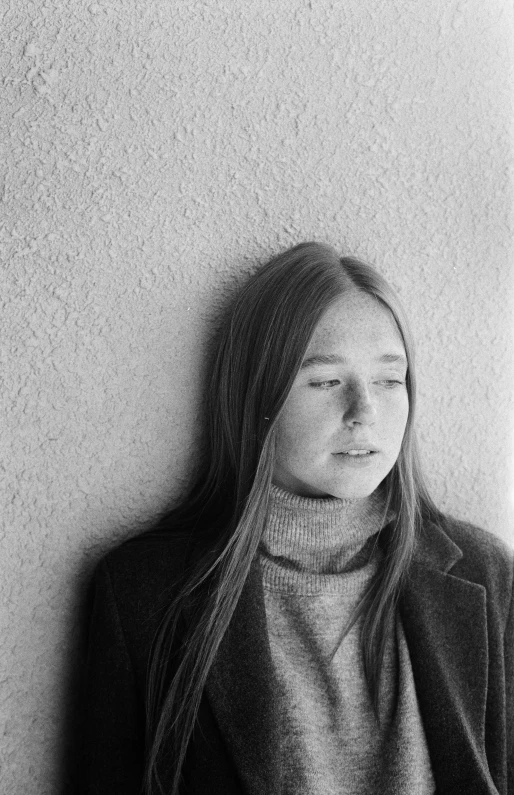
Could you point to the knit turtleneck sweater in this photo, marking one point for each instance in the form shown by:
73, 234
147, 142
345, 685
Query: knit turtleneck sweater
318, 557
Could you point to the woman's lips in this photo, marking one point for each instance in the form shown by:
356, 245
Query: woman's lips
356, 456
357, 448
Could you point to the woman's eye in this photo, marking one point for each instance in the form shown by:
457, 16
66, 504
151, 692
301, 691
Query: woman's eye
391, 383
324, 384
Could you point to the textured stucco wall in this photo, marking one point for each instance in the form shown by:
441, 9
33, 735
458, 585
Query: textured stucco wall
152, 154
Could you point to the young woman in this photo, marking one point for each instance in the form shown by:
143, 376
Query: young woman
306, 622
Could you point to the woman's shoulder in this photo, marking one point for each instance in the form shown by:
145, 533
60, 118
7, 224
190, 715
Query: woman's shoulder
150, 550
148, 559
140, 577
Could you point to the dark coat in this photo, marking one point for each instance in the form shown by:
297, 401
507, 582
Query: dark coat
458, 618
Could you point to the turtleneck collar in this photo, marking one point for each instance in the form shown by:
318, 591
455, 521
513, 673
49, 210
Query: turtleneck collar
322, 536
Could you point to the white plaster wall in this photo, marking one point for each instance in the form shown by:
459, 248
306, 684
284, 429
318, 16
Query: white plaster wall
153, 153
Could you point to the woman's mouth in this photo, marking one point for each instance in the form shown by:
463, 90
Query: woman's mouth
358, 452
356, 457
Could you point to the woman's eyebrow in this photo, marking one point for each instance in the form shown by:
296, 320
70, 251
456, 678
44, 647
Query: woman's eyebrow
333, 358
393, 358
323, 358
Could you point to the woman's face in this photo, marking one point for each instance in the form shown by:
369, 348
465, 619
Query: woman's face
341, 428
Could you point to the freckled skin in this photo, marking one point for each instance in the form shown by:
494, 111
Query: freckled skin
333, 406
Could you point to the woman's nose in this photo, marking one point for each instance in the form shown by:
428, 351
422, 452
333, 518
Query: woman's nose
359, 408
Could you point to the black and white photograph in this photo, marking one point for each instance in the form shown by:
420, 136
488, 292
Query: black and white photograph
257, 379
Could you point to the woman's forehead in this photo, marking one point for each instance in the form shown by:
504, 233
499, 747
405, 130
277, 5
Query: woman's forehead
356, 318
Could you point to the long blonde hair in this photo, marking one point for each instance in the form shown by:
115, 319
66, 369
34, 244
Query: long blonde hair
260, 351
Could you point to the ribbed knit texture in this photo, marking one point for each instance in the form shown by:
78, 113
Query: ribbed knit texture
309, 543
317, 557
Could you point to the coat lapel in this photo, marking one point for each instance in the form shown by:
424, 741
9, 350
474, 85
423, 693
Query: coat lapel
445, 623
241, 691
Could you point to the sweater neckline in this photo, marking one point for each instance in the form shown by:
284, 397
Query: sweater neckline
309, 541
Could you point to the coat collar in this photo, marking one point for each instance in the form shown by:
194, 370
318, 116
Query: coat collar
444, 620
435, 549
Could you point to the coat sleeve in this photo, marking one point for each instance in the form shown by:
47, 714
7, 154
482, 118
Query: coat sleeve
112, 759
509, 692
